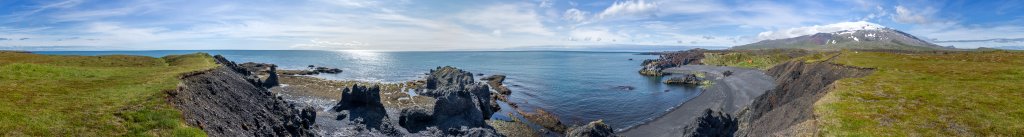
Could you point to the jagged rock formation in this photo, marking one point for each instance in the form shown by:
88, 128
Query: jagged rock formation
496, 83
653, 67
712, 123
461, 108
780, 110
230, 101
593, 129
266, 73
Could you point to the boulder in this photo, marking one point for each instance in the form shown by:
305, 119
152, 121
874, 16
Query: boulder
361, 103
593, 129
712, 124
688, 79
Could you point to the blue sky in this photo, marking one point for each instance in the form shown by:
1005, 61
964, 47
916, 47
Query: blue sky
480, 25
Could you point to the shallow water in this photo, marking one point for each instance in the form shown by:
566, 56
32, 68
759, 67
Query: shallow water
576, 86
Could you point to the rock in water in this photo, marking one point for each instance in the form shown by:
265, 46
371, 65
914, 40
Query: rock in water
688, 79
496, 83
593, 129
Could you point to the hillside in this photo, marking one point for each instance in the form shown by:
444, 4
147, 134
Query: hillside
49, 95
863, 39
905, 94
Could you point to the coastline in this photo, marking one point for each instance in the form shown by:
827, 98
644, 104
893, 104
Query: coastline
730, 94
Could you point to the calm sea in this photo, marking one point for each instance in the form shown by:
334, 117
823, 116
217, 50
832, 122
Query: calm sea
576, 86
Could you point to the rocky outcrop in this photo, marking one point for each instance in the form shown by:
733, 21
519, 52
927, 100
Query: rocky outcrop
496, 83
712, 123
544, 119
327, 70
592, 129
230, 101
461, 108
791, 102
311, 71
687, 79
653, 67
265, 73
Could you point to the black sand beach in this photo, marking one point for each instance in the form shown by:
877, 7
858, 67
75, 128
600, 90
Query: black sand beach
729, 94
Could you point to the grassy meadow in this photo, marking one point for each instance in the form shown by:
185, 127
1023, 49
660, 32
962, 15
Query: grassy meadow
117, 95
954, 94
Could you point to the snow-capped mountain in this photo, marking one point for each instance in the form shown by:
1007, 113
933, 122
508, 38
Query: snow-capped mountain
847, 36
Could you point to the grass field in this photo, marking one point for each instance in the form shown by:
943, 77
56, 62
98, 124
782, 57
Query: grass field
48, 95
956, 94
757, 59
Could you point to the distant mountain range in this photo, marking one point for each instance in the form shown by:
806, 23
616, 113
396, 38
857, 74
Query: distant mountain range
871, 38
1010, 47
610, 48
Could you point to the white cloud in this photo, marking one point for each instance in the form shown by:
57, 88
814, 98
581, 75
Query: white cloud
629, 7
322, 44
574, 14
546, 3
800, 31
508, 17
906, 15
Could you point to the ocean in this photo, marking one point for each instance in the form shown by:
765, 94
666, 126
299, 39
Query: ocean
578, 87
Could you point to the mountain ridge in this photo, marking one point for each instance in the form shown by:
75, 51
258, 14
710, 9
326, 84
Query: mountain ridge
861, 39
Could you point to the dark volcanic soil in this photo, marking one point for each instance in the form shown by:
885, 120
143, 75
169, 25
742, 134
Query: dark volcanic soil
226, 101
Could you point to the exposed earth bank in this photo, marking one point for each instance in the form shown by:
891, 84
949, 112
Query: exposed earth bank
787, 110
230, 101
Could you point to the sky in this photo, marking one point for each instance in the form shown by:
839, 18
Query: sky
415, 25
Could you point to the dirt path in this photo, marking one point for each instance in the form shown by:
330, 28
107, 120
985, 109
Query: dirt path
729, 94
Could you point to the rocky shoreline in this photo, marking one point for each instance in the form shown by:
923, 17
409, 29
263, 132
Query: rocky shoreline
447, 102
654, 67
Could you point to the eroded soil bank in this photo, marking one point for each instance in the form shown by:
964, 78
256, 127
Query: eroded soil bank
229, 101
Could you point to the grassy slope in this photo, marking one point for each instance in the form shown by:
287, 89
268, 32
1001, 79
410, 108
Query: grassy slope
47, 95
758, 59
980, 93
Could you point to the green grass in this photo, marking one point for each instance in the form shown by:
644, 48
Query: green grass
49, 95
958, 94
757, 59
